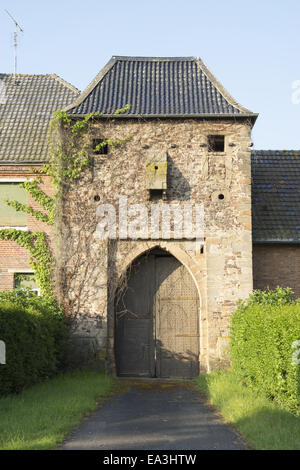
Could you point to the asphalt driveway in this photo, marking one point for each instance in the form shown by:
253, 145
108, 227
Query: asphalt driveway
155, 417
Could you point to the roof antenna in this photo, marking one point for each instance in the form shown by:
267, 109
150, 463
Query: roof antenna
17, 26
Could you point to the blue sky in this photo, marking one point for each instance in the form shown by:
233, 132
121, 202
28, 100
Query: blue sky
253, 48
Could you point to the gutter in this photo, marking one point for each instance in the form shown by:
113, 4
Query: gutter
291, 241
170, 116
20, 163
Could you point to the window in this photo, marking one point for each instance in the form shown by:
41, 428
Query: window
9, 217
26, 280
102, 150
216, 143
156, 194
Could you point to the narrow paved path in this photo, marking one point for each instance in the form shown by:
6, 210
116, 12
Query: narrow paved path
154, 417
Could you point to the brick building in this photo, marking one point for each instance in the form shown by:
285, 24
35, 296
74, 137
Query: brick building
160, 306
276, 222
27, 104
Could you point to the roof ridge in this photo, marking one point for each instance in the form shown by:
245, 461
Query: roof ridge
64, 82
152, 58
273, 151
27, 74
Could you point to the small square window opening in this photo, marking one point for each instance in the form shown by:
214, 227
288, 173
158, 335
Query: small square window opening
156, 194
216, 143
102, 149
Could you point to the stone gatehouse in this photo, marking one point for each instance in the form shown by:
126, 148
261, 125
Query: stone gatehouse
159, 306
153, 305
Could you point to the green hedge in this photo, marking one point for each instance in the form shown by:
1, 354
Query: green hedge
263, 331
34, 333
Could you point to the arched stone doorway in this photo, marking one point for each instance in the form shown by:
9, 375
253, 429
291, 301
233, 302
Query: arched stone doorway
157, 319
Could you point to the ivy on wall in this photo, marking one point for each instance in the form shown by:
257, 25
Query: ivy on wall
41, 260
69, 157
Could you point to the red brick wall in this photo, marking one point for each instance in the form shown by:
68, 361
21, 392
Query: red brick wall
12, 256
276, 265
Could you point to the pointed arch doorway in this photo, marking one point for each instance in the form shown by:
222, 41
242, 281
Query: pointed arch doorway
157, 319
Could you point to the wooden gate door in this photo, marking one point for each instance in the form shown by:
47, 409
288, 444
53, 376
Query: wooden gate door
177, 324
157, 328
135, 345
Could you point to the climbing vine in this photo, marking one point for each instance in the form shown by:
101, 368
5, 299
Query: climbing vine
40, 256
68, 158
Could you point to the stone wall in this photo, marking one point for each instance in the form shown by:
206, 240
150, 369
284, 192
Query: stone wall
90, 268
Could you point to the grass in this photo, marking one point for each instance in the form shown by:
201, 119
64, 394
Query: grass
263, 424
40, 417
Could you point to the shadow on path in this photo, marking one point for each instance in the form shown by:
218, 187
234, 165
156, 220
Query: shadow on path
154, 416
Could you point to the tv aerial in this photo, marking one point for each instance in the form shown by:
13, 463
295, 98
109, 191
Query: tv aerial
17, 28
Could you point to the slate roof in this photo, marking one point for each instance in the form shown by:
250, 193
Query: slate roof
157, 86
276, 195
26, 108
